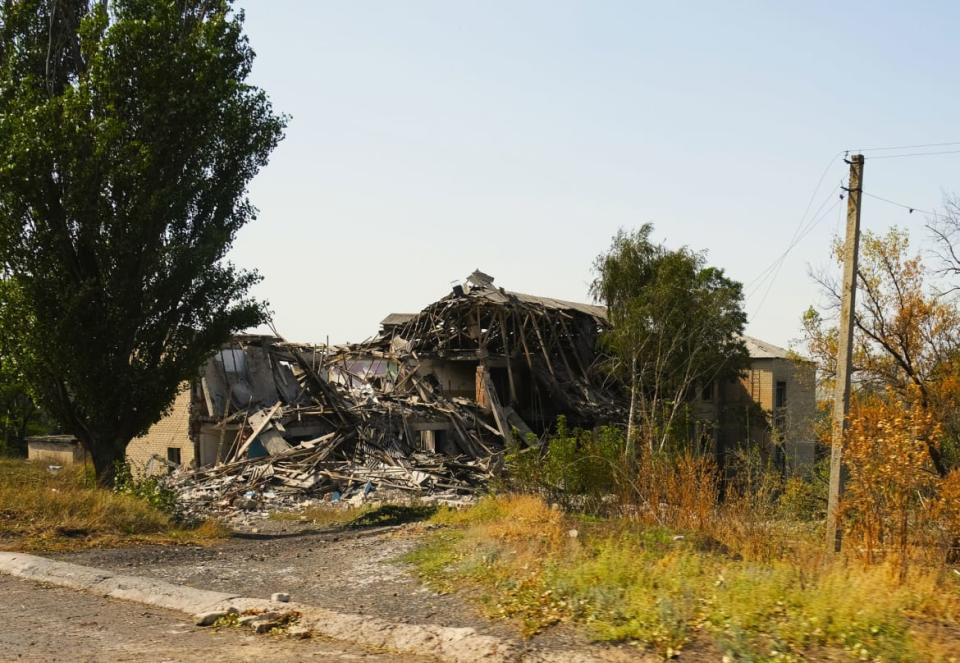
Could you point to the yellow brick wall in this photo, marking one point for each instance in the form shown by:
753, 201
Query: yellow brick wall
758, 383
801, 410
171, 431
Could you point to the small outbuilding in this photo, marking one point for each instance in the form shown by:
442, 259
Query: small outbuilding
56, 450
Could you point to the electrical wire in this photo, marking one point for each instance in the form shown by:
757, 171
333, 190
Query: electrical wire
806, 232
801, 232
914, 154
800, 224
769, 275
903, 147
910, 208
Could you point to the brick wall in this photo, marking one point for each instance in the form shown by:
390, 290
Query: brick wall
171, 431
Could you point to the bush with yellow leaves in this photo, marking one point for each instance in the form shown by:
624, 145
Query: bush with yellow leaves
893, 499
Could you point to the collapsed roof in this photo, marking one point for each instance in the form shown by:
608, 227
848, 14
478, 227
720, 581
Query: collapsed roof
540, 352
425, 406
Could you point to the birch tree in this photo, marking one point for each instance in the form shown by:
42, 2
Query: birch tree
676, 326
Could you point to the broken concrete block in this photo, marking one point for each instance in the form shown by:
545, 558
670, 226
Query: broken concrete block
245, 503
210, 618
301, 632
265, 625
280, 597
246, 620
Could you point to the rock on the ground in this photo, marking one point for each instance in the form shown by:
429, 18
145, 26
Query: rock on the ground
210, 618
280, 597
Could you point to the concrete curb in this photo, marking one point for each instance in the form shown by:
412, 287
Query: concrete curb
443, 642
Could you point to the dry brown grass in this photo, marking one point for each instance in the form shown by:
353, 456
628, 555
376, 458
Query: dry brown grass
41, 511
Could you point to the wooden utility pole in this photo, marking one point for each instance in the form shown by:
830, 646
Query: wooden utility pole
841, 397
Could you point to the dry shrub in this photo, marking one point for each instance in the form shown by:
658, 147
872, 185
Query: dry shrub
508, 542
675, 491
34, 502
523, 517
894, 501
945, 512
624, 580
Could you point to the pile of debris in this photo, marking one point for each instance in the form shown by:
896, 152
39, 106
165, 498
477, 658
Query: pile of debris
323, 468
426, 408
333, 439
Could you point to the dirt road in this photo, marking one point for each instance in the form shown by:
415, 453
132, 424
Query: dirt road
52, 624
355, 571
348, 570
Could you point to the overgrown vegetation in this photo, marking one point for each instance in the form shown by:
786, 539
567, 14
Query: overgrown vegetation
655, 557
623, 579
676, 326
45, 511
148, 488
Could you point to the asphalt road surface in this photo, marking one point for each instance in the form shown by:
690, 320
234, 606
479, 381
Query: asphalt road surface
42, 623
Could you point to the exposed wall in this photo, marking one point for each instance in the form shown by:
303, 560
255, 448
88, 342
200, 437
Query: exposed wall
171, 431
456, 378
790, 441
209, 442
55, 452
797, 418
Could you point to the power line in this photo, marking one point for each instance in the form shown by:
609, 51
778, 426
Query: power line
904, 147
802, 231
910, 208
914, 154
769, 275
806, 232
793, 238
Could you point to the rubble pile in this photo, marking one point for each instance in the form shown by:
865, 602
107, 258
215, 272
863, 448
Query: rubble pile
320, 469
424, 409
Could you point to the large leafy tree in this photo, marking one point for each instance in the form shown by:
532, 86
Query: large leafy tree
906, 335
128, 135
676, 325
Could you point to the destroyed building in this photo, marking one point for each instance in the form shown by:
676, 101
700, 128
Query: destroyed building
267, 412
524, 359
430, 400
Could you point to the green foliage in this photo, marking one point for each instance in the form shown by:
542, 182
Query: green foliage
570, 465
128, 134
19, 414
804, 497
622, 581
150, 489
676, 325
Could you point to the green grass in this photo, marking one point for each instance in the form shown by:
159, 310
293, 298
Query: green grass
41, 511
620, 581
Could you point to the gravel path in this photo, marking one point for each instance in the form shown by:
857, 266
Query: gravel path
52, 624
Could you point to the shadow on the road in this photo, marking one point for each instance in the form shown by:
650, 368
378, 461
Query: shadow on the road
392, 514
388, 515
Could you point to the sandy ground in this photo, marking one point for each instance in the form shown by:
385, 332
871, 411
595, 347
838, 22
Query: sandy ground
52, 624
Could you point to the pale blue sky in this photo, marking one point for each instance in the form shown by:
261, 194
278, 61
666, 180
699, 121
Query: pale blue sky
430, 138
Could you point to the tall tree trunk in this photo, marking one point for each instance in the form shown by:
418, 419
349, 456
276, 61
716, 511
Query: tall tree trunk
105, 455
631, 428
